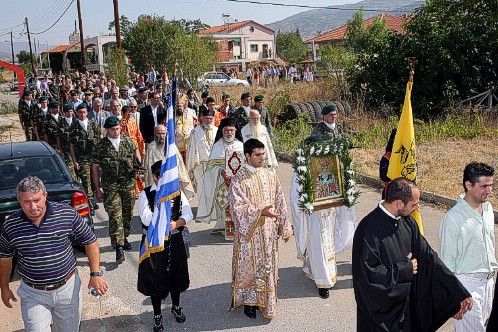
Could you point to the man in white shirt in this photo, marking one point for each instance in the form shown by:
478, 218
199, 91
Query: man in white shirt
468, 244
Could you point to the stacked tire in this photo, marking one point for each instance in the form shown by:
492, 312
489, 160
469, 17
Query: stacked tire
314, 110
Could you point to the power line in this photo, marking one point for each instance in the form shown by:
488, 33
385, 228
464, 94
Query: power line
38, 24
12, 27
279, 4
49, 10
57, 21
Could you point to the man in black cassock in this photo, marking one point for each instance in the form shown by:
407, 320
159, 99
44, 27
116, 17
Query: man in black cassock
400, 283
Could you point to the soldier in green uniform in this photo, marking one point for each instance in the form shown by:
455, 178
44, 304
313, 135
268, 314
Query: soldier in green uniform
84, 135
328, 129
65, 122
38, 116
115, 155
241, 114
51, 130
24, 109
263, 111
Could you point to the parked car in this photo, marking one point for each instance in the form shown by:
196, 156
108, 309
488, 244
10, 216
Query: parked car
20, 159
219, 79
14, 84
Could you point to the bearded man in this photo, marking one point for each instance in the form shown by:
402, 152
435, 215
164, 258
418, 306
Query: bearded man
199, 147
254, 129
155, 152
213, 199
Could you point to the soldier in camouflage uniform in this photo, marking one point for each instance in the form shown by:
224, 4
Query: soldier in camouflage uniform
115, 155
51, 130
65, 122
84, 135
24, 109
38, 115
328, 129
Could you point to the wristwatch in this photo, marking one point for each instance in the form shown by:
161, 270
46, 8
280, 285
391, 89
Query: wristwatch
97, 274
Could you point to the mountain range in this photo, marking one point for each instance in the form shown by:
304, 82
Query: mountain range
316, 21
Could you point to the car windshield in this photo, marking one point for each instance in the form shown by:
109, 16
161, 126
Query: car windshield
14, 170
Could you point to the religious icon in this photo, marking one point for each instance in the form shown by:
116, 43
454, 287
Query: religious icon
233, 162
327, 181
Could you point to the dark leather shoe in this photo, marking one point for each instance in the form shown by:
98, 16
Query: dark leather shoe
178, 313
127, 245
250, 311
323, 292
158, 323
95, 206
120, 258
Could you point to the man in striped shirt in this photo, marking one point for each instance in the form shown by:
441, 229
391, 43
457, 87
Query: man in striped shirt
42, 233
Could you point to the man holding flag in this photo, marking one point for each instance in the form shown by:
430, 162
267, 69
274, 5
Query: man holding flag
164, 211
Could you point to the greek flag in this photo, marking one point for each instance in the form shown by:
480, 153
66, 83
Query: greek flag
168, 187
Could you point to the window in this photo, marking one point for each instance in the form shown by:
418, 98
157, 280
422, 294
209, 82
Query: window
44, 167
254, 48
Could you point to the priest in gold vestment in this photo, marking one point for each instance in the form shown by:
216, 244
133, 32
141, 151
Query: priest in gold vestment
259, 213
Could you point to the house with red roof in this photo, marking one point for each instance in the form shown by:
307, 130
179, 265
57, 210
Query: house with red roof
241, 43
338, 36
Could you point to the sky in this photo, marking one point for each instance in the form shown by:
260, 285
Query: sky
96, 15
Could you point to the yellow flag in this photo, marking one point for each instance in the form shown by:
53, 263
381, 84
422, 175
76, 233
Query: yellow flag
403, 161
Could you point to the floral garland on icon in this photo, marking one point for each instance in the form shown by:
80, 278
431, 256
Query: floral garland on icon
339, 147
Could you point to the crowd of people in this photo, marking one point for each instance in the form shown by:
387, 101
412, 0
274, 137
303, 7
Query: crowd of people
113, 141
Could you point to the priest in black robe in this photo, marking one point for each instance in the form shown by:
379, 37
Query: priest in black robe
400, 284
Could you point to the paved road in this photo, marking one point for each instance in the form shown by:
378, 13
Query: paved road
206, 302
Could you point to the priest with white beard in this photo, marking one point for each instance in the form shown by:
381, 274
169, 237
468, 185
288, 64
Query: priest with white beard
213, 199
155, 152
254, 129
200, 143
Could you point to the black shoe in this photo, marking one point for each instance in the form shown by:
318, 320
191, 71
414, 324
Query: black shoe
179, 315
120, 258
127, 245
158, 323
250, 311
95, 206
323, 292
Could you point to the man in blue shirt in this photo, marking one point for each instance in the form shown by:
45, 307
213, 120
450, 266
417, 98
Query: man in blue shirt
42, 233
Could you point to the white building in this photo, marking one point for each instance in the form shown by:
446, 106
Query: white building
242, 42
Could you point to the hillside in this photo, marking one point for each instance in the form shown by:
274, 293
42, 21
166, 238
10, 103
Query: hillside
312, 22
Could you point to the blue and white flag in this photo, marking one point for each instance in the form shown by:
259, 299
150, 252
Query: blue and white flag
168, 187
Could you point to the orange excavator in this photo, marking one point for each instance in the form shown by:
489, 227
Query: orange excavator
21, 79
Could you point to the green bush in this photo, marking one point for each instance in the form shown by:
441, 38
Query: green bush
288, 135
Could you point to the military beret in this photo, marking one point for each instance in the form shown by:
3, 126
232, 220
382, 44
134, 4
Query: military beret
111, 121
328, 108
42, 98
73, 93
81, 106
142, 89
67, 107
258, 98
205, 94
245, 95
54, 104
26, 93
207, 112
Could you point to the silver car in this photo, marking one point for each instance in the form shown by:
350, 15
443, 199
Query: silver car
219, 79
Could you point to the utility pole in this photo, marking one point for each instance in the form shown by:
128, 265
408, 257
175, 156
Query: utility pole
82, 43
117, 26
30, 49
12, 50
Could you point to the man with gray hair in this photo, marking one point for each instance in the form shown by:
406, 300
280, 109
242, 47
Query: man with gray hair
43, 233
98, 114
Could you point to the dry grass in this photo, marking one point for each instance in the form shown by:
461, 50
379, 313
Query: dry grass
440, 164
